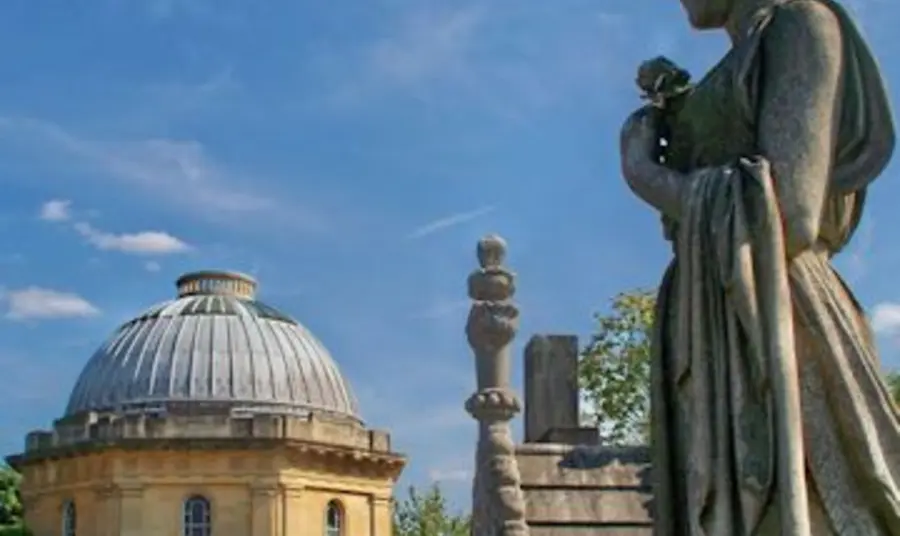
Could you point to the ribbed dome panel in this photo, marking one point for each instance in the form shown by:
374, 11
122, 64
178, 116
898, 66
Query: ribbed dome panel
213, 348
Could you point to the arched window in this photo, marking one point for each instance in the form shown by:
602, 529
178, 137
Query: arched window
334, 519
197, 517
69, 520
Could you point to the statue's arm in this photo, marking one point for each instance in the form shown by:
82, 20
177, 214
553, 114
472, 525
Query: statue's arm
798, 114
658, 186
655, 184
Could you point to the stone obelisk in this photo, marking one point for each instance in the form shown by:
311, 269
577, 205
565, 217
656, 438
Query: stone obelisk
498, 503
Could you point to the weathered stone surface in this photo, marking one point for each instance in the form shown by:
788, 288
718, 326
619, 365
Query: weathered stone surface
551, 385
586, 505
585, 489
583, 466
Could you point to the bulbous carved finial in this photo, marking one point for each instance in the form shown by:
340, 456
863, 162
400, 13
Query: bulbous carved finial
492, 281
491, 251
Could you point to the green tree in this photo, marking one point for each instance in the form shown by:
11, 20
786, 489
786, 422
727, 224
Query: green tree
11, 522
15, 530
614, 369
427, 514
893, 381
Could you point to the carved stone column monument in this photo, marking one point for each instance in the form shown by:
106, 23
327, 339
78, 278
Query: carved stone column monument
498, 503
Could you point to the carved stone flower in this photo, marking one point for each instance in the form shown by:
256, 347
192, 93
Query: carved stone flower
660, 80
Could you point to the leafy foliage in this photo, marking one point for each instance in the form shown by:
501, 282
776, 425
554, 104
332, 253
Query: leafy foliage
10, 500
614, 371
893, 381
15, 530
426, 514
11, 523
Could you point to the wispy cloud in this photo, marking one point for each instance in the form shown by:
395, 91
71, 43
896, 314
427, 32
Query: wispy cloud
55, 210
152, 266
510, 62
176, 98
426, 45
449, 221
143, 243
177, 172
36, 303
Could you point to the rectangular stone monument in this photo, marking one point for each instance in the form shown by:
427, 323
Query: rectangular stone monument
551, 392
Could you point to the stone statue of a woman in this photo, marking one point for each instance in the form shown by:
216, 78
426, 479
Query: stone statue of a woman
769, 412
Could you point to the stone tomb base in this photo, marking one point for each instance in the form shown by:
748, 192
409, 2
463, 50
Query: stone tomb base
585, 489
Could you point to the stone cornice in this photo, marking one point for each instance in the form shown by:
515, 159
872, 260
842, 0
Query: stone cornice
388, 462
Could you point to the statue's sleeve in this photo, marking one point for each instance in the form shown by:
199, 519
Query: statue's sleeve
866, 135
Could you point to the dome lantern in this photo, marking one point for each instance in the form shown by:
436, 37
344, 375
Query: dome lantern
216, 282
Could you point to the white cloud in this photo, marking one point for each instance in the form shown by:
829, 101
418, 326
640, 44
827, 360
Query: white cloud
449, 221
40, 303
886, 318
56, 210
152, 266
143, 243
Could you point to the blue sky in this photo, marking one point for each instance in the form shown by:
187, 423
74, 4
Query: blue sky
348, 155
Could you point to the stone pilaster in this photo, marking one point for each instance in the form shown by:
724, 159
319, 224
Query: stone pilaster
266, 509
106, 499
380, 516
131, 509
295, 519
499, 506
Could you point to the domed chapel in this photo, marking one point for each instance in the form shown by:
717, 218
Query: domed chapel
212, 414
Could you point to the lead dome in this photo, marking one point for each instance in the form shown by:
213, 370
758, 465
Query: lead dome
214, 345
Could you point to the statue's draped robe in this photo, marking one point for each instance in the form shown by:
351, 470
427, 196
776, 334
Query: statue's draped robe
713, 416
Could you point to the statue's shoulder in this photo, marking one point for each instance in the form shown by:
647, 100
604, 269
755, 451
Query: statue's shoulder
812, 24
